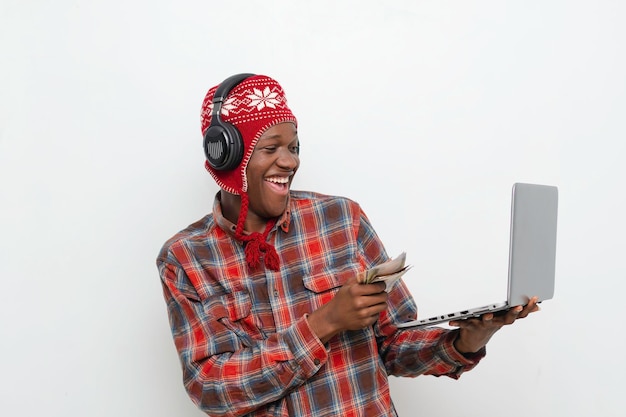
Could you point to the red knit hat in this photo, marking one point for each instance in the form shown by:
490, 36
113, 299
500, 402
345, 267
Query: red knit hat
252, 106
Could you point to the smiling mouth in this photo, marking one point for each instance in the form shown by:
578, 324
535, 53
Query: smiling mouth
280, 184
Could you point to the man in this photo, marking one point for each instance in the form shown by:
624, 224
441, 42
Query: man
265, 307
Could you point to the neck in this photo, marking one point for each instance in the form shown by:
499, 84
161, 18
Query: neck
231, 204
231, 207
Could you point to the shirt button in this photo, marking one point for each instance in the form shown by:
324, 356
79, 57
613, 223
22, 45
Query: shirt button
316, 361
275, 293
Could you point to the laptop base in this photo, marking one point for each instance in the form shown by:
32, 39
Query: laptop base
459, 315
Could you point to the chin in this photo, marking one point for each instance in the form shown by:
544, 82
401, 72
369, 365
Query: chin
277, 210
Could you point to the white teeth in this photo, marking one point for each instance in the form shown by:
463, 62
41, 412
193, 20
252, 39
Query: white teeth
278, 180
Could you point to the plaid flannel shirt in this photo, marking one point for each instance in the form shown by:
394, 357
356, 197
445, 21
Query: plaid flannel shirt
242, 336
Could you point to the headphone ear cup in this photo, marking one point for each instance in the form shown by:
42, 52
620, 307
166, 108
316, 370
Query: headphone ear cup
223, 146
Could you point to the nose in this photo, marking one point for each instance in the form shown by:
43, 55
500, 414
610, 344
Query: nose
287, 159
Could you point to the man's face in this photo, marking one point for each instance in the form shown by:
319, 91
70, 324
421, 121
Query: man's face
270, 171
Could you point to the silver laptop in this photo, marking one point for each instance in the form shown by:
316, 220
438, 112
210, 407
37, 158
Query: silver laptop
532, 253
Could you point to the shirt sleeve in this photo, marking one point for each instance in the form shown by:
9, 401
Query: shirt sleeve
226, 371
419, 351
411, 352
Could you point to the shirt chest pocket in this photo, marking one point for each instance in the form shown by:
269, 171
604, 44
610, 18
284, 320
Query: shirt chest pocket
231, 320
325, 285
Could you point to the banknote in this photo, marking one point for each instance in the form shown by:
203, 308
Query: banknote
388, 272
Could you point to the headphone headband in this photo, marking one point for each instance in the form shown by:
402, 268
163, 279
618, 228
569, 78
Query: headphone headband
226, 87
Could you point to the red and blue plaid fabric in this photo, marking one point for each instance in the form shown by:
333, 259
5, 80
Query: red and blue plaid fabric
244, 342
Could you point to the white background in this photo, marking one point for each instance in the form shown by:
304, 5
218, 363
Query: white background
425, 112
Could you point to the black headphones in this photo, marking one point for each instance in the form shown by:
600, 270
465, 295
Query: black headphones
223, 144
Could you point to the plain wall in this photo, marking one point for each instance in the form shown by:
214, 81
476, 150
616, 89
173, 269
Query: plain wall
425, 112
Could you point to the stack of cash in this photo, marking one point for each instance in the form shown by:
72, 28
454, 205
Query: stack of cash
388, 272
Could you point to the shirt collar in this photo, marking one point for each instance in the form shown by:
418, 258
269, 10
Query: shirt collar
229, 227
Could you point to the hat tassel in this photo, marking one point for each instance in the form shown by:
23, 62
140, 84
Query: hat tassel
256, 244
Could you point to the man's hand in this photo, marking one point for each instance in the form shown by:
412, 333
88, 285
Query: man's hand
355, 306
475, 332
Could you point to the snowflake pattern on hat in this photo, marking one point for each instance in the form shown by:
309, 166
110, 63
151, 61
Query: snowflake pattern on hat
262, 99
248, 102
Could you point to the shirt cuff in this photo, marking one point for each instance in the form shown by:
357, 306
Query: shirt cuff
309, 352
463, 361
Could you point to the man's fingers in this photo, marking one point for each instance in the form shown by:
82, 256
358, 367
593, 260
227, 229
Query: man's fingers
371, 289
